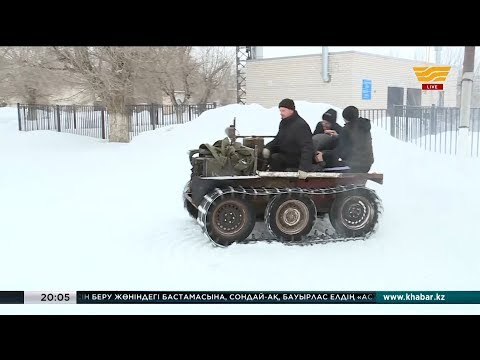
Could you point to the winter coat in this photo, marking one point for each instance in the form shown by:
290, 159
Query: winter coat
335, 126
355, 145
294, 140
320, 143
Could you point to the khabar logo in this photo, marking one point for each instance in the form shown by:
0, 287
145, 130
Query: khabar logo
431, 74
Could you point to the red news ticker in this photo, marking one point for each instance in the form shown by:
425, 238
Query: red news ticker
432, 86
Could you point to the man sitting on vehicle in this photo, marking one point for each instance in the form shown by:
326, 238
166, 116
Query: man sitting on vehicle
354, 148
292, 146
326, 133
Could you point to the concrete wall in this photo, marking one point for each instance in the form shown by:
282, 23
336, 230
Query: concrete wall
386, 71
300, 78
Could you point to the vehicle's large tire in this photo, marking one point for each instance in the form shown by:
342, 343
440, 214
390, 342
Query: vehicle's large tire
192, 210
290, 216
229, 219
355, 213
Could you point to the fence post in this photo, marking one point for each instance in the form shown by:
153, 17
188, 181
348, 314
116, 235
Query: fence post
57, 108
74, 117
19, 118
49, 126
103, 122
393, 116
424, 129
476, 118
433, 119
152, 116
407, 113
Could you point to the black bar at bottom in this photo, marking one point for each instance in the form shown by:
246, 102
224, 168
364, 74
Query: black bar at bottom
11, 297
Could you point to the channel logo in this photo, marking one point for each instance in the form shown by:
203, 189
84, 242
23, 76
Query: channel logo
430, 76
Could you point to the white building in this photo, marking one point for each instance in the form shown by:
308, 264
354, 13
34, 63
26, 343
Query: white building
367, 81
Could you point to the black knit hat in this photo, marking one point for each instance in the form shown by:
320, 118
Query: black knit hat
350, 113
330, 115
287, 103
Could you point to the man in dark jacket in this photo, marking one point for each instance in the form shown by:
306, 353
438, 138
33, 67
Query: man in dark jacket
325, 136
354, 147
292, 146
329, 122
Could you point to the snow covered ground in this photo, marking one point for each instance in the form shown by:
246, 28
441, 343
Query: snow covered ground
78, 213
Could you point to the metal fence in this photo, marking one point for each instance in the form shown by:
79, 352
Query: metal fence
429, 127
432, 128
92, 120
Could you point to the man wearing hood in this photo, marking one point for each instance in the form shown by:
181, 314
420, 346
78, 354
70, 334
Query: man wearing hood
292, 146
325, 136
354, 147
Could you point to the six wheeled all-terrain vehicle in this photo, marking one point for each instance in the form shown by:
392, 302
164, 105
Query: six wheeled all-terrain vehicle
229, 192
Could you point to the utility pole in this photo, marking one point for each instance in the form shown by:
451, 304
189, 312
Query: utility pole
438, 60
243, 54
466, 99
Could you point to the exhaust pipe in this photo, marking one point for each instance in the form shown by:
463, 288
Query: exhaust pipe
326, 76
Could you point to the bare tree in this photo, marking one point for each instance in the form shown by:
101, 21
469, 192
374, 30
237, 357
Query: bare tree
215, 63
184, 73
452, 56
172, 70
116, 76
24, 75
107, 72
226, 93
419, 54
476, 79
